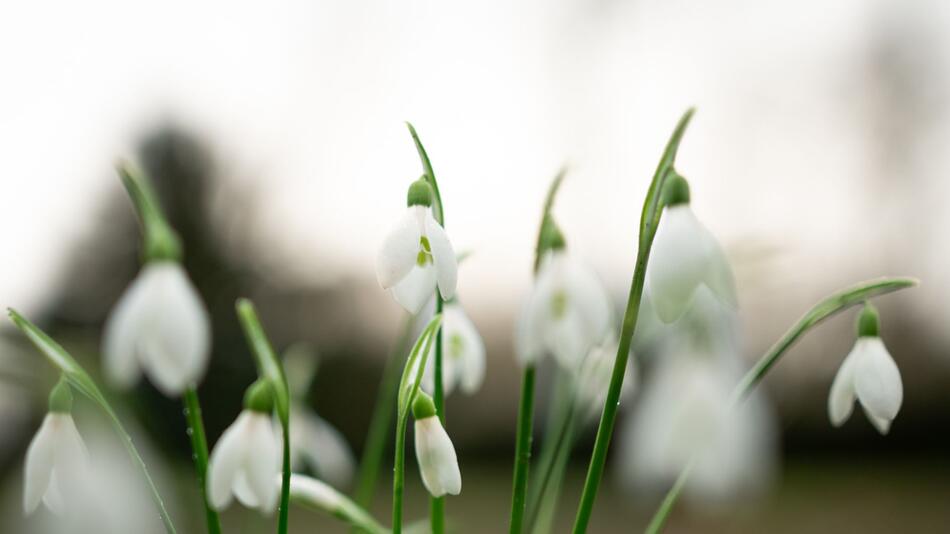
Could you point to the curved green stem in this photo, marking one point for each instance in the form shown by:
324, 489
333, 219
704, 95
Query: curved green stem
199, 446
649, 220
80, 379
827, 307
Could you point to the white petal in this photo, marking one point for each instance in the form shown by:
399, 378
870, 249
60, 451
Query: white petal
882, 425
315, 493
461, 334
568, 339
39, 464
53, 498
243, 491
175, 343
227, 460
842, 396
400, 248
535, 315
877, 379
435, 454
678, 261
121, 333
719, 275
322, 447
71, 459
443, 256
263, 460
588, 296
415, 288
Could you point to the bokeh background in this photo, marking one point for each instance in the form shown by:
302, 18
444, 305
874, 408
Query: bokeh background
274, 133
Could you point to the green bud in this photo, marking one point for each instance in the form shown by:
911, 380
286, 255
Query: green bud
420, 193
61, 397
676, 190
259, 397
551, 236
869, 323
422, 406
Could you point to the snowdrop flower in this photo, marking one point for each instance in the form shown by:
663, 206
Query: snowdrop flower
593, 379
247, 458
56, 460
435, 453
417, 256
463, 353
685, 256
567, 311
868, 375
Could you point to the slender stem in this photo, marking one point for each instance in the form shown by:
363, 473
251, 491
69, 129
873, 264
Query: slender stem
399, 472
437, 504
552, 462
199, 448
522, 451
656, 524
378, 435
285, 484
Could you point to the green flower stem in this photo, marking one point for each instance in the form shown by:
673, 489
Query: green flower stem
82, 382
407, 391
829, 306
378, 435
199, 448
649, 219
558, 442
270, 368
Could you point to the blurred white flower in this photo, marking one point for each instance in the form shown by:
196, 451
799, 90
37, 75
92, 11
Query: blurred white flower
245, 462
684, 257
315, 493
685, 410
593, 379
56, 464
567, 313
869, 375
159, 325
416, 257
435, 454
463, 353
316, 443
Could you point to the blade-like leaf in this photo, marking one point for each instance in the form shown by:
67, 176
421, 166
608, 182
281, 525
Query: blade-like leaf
546, 213
268, 365
437, 210
650, 216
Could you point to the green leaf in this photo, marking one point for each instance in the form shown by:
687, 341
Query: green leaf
268, 365
437, 210
652, 209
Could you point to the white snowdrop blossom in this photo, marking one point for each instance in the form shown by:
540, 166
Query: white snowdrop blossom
415, 258
567, 313
56, 464
870, 376
435, 454
245, 462
463, 353
316, 443
684, 257
593, 379
159, 325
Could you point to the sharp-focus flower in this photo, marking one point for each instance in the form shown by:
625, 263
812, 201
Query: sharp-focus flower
417, 256
868, 375
159, 325
684, 257
593, 379
463, 353
56, 460
567, 313
247, 458
435, 453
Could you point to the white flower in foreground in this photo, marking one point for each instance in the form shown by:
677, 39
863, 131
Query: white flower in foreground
159, 325
435, 453
593, 379
247, 458
56, 460
869, 375
463, 353
567, 313
316, 443
417, 256
684, 257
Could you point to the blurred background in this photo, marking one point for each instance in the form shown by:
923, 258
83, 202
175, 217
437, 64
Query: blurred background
274, 133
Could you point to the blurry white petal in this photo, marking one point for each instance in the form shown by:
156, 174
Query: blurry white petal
39, 464
567, 339
443, 256
415, 288
529, 341
315, 493
882, 425
226, 461
321, 446
262, 460
397, 256
877, 380
436, 457
121, 333
842, 396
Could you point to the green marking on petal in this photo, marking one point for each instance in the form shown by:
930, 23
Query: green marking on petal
559, 305
456, 346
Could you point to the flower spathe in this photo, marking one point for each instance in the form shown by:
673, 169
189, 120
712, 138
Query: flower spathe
566, 314
245, 462
463, 353
869, 375
160, 326
684, 257
438, 463
415, 258
56, 464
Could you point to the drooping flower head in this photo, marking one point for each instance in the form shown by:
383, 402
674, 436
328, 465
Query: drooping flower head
56, 460
463, 353
416, 256
160, 324
869, 375
684, 257
567, 311
246, 460
438, 463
